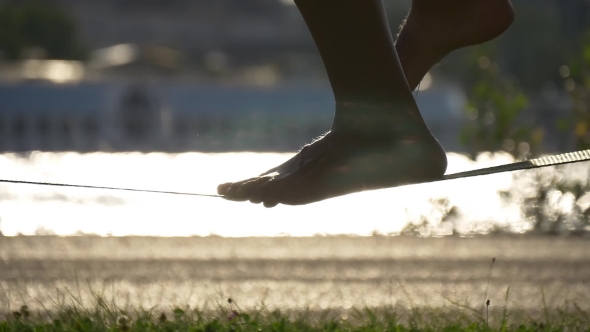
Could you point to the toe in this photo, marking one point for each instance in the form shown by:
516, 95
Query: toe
236, 191
274, 192
222, 188
258, 193
245, 190
270, 204
291, 189
231, 193
255, 200
228, 190
263, 192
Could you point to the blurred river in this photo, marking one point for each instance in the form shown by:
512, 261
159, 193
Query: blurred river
42, 210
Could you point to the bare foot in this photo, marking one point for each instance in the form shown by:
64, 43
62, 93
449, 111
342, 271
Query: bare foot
452, 24
375, 151
435, 28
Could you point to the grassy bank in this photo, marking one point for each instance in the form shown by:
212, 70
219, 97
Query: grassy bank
227, 316
409, 283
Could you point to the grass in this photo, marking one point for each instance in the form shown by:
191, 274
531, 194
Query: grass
105, 315
102, 314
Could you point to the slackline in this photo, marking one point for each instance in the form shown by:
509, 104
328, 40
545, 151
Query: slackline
565, 158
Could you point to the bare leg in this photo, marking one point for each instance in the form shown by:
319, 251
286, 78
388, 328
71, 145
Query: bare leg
378, 138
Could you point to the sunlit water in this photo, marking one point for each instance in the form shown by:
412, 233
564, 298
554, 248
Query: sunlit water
31, 209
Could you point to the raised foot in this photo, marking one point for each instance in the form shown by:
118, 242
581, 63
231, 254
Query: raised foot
339, 164
452, 24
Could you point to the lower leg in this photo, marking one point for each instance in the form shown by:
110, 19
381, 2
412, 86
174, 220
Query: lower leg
357, 49
356, 46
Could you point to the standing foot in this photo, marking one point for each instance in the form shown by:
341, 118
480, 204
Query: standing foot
346, 160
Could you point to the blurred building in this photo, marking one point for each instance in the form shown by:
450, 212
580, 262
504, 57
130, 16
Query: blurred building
254, 82
108, 116
245, 31
204, 75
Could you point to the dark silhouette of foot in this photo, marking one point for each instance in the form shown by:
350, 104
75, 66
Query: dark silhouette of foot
364, 153
452, 24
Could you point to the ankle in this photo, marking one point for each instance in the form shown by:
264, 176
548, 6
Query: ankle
378, 120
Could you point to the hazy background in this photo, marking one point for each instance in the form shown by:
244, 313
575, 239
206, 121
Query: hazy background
181, 95
238, 75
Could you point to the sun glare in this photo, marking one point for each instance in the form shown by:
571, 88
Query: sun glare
65, 211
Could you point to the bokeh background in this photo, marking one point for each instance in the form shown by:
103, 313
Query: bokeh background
181, 95
245, 75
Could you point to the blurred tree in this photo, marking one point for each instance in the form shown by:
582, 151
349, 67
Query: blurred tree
576, 82
36, 25
496, 110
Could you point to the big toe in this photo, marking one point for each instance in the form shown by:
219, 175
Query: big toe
222, 188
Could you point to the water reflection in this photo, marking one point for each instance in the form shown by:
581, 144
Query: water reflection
25, 209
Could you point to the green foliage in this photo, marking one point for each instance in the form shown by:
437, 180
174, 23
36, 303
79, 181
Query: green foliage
576, 81
542, 206
365, 320
496, 108
26, 25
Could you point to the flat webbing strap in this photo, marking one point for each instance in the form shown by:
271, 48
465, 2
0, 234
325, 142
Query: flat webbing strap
565, 158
